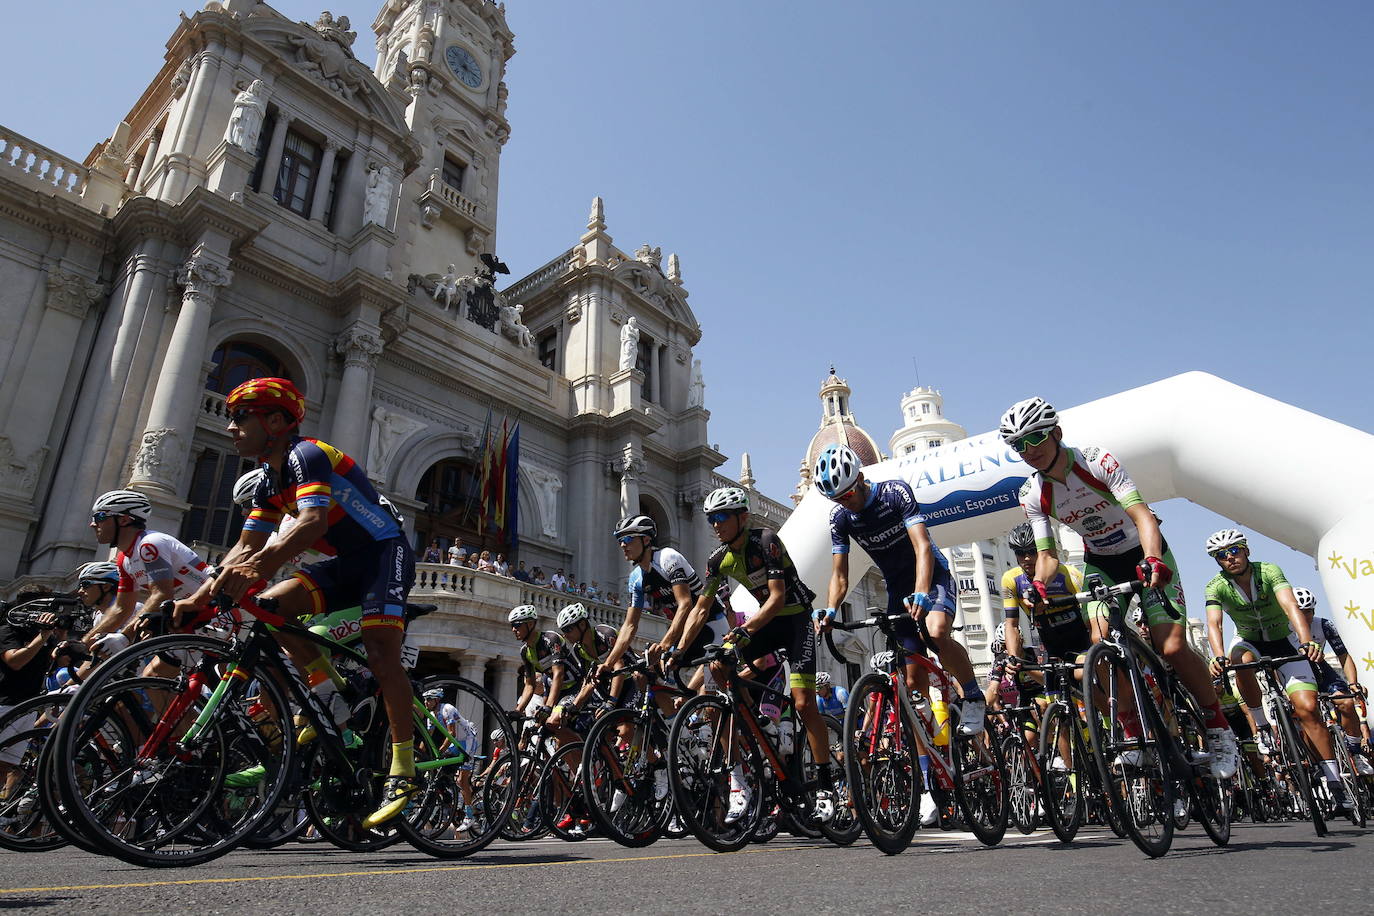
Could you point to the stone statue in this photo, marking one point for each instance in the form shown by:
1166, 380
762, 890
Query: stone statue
389, 429
513, 326
696, 390
546, 486
250, 108
447, 288
377, 202
650, 256
629, 343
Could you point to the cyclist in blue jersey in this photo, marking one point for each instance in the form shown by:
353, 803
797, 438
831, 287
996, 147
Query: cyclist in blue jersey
886, 521
369, 561
830, 697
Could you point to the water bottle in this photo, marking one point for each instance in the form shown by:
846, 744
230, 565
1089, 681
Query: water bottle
787, 739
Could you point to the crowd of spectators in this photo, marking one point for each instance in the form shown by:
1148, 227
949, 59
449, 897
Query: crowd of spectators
486, 561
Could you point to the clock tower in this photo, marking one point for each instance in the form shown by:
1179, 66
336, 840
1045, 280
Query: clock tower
445, 60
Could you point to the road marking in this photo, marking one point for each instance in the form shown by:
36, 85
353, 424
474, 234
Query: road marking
390, 871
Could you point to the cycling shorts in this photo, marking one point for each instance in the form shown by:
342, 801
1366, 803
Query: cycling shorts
795, 635
1295, 676
712, 632
1118, 568
899, 587
378, 580
1066, 643
1329, 680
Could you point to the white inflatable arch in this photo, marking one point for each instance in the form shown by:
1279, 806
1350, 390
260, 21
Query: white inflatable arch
1289, 474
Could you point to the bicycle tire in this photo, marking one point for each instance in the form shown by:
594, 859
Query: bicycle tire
526, 821
49, 799
705, 737
1296, 761
1141, 794
1356, 808
175, 809
624, 771
430, 822
844, 827
23, 824
560, 792
1022, 792
980, 785
1065, 804
885, 783
1210, 796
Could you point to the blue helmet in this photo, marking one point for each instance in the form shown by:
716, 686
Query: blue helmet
837, 469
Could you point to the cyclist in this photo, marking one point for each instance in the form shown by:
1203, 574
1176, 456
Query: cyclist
1260, 602
1063, 631
886, 521
586, 646
464, 740
830, 697
541, 656
370, 562
1329, 680
97, 587
1089, 490
757, 559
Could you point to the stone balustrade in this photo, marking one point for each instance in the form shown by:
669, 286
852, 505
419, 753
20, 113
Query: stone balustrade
38, 167
454, 198
760, 505
531, 284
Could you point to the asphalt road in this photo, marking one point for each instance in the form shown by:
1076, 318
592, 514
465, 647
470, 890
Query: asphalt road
1266, 868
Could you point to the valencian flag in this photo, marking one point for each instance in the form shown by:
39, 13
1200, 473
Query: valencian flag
494, 496
491, 472
511, 507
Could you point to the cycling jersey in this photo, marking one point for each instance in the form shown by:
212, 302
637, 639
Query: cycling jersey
1093, 502
1259, 616
762, 559
541, 657
834, 704
317, 475
156, 557
581, 663
652, 589
1015, 584
1325, 634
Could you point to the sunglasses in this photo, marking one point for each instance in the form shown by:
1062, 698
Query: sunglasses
99, 517
841, 497
243, 413
1227, 553
1031, 440
715, 518
629, 539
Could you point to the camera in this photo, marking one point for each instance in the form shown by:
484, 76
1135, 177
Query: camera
71, 615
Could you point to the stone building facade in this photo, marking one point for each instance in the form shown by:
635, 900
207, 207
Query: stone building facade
270, 205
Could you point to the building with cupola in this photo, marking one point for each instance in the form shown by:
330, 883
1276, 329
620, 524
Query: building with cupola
270, 205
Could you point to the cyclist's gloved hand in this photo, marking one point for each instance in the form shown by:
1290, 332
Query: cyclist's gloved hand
920, 600
1041, 589
1154, 572
110, 643
1218, 665
820, 614
737, 638
1013, 663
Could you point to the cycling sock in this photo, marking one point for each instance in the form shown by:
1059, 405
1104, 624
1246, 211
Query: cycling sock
925, 769
319, 671
1332, 773
1130, 723
403, 758
1257, 713
1215, 717
971, 692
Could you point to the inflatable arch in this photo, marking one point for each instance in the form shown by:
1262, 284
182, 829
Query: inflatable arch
1289, 474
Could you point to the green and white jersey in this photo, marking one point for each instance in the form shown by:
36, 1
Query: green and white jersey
1259, 616
1093, 501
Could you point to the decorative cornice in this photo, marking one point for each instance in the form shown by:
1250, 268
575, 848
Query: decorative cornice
360, 346
73, 294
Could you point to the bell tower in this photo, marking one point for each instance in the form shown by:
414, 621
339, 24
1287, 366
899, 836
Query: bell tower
446, 61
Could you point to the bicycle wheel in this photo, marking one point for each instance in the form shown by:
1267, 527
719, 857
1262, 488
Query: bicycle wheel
1065, 804
844, 828
881, 761
1134, 773
1298, 770
1211, 796
1356, 805
560, 794
148, 782
448, 802
625, 777
1021, 786
980, 784
707, 749
526, 820
23, 826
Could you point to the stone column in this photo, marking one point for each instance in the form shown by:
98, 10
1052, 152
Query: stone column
161, 457
627, 466
272, 162
321, 199
507, 681
980, 578
474, 668
358, 347
149, 157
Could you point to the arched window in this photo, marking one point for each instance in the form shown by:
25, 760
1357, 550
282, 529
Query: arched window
236, 361
451, 503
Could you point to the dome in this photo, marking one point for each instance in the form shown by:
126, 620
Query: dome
837, 427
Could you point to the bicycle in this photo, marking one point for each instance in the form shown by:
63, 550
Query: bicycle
885, 733
716, 735
190, 767
1169, 759
1024, 778
1357, 794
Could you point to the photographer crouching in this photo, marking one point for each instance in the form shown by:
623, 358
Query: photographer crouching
29, 630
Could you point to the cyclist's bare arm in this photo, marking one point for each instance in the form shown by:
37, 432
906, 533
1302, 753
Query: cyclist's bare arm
246, 570
839, 581
1046, 565
161, 590
1012, 633
1214, 619
628, 629
681, 618
1151, 542
249, 543
555, 685
925, 557
115, 619
697, 620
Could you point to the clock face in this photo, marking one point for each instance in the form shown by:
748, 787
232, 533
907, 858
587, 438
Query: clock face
463, 65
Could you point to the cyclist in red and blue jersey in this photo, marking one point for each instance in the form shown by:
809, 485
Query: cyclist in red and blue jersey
886, 521
369, 561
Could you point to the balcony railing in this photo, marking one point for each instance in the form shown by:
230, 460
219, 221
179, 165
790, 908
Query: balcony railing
38, 167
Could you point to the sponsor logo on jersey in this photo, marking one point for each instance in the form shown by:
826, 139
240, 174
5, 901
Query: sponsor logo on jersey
1094, 523
1084, 512
1116, 537
1091, 453
147, 552
1110, 464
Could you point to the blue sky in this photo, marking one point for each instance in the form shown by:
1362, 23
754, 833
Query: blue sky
1064, 199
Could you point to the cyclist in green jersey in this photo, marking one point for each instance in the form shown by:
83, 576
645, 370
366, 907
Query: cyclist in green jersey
1269, 624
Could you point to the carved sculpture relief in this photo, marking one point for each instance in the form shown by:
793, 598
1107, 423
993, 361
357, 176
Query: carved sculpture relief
390, 428
546, 485
151, 462
250, 108
513, 327
72, 294
650, 256
377, 200
359, 347
19, 475
696, 390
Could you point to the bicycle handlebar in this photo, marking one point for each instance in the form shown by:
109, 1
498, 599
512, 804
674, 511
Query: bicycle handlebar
1268, 663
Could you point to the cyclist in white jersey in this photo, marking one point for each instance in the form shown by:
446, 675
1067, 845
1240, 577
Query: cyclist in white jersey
465, 739
1346, 680
1090, 491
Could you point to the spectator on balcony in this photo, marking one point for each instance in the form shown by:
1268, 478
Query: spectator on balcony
521, 574
433, 553
559, 582
593, 591
457, 554
581, 588
502, 568
538, 578
471, 560
485, 563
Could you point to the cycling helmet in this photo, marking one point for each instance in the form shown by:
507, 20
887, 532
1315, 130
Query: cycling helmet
1306, 600
267, 394
435, 694
101, 572
124, 502
837, 469
1226, 537
1022, 538
726, 499
998, 647
1029, 416
521, 613
822, 679
247, 485
636, 524
571, 615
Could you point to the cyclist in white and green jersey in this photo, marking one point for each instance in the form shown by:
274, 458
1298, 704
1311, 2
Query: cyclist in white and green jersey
1089, 490
1269, 624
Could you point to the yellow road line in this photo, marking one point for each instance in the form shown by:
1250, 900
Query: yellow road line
386, 871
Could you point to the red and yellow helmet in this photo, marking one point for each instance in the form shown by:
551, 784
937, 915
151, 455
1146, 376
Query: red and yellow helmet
267, 394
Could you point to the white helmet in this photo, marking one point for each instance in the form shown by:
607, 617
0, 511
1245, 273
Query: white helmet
521, 613
247, 485
1029, 416
571, 615
1306, 600
636, 524
434, 694
99, 571
837, 469
725, 499
1226, 537
822, 678
124, 502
